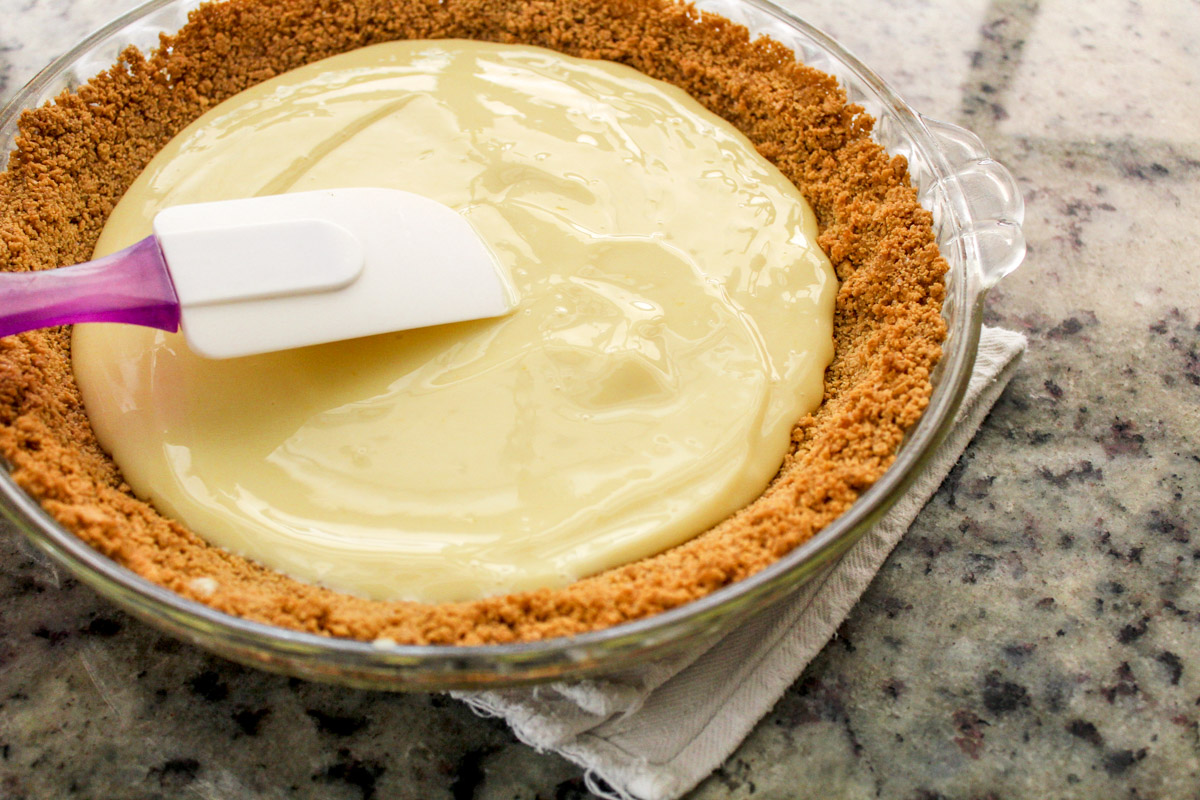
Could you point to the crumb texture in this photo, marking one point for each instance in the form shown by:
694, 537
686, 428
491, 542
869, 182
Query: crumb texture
75, 158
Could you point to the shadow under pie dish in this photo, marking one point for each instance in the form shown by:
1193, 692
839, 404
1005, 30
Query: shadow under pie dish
889, 398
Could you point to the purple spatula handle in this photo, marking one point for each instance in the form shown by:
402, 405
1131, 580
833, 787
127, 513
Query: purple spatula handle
131, 286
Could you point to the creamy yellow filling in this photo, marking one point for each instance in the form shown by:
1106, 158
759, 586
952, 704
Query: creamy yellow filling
675, 322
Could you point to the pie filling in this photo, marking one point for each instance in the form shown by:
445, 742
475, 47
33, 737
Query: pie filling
675, 321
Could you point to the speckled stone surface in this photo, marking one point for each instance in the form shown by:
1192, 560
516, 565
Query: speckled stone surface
1036, 634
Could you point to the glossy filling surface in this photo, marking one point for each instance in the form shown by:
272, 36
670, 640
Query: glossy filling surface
675, 323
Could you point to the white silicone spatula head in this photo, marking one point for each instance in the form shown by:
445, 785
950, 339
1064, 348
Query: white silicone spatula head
272, 273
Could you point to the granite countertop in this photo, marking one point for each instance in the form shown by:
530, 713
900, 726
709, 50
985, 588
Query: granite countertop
1036, 633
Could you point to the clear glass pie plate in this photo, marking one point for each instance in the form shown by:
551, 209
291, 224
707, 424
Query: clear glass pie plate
977, 211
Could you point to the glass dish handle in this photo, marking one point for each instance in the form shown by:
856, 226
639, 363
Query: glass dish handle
994, 206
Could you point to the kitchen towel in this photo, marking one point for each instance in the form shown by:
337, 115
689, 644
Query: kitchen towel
656, 731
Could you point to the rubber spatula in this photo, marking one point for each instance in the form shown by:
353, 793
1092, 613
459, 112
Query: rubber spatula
272, 273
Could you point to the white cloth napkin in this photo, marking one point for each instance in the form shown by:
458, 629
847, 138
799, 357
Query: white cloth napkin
656, 731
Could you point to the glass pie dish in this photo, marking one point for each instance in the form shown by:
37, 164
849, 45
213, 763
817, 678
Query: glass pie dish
977, 212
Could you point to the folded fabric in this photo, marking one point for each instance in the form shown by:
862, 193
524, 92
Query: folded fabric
656, 731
